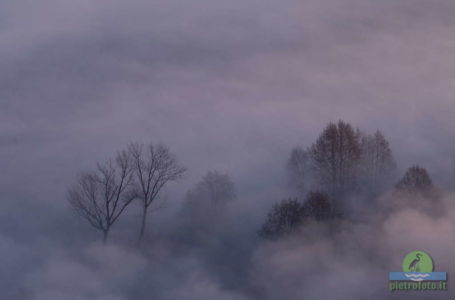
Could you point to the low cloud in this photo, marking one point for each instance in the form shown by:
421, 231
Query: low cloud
232, 86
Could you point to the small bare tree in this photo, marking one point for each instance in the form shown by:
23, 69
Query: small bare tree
102, 195
207, 201
215, 189
154, 167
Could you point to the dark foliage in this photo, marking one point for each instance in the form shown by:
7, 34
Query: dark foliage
417, 181
335, 157
298, 168
288, 215
377, 165
206, 202
317, 206
345, 163
285, 217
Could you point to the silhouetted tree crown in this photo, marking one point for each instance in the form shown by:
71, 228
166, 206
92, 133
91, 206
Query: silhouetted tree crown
317, 206
416, 180
377, 159
298, 167
288, 215
210, 195
335, 158
216, 187
285, 217
343, 162
377, 165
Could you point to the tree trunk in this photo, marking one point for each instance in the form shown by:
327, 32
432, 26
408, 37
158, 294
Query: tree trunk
105, 235
143, 223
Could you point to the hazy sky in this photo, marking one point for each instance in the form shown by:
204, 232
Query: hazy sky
228, 85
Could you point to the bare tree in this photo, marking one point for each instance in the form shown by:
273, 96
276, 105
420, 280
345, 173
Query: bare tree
102, 195
335, 158
154, 167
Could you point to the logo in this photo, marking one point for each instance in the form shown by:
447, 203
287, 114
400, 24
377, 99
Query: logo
418, 274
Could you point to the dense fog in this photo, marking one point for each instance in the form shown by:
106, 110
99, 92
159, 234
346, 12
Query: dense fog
232, 89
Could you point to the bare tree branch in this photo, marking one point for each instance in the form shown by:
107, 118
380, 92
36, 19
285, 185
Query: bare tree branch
102, 195
154, 167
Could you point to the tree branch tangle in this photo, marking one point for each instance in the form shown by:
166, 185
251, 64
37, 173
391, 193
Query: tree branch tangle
102, 195
154, 167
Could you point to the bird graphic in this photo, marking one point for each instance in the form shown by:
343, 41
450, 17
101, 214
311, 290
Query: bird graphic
415, 264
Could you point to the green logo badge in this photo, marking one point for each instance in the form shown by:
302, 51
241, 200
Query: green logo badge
418, 274
418, 261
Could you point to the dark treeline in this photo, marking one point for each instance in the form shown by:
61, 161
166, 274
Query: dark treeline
340, 175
